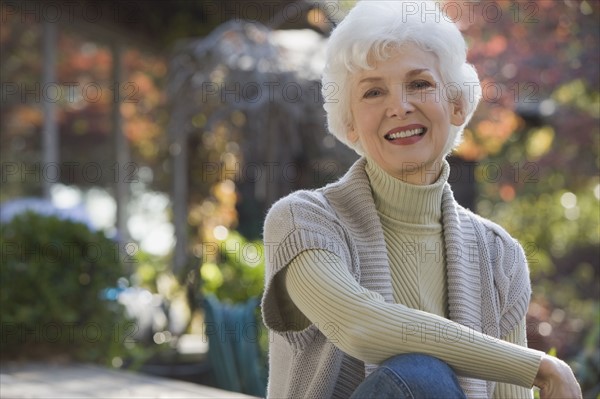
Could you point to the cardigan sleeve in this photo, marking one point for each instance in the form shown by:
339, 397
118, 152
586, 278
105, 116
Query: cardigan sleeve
510, 274
295, 224
362, 324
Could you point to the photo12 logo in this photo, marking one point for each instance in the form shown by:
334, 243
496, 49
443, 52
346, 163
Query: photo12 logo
69, 92
470, 11
69, 11
70, 333
68, 172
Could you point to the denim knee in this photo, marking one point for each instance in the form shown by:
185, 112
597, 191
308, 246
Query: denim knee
428, 363
425, 374
411, 376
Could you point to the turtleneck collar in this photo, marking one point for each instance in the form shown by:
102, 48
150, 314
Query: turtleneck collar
404, 202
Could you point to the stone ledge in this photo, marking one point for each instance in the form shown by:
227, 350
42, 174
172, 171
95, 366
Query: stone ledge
61, 381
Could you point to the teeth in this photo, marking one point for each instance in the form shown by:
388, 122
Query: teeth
405, 133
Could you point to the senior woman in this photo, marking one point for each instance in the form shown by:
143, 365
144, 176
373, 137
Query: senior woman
381, 285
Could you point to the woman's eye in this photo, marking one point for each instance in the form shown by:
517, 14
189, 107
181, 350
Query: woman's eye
372, 93
420, 84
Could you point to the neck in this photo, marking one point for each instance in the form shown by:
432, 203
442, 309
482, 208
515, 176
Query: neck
406, 202
420, 175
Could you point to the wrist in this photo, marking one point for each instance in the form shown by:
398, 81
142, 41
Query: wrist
545, 370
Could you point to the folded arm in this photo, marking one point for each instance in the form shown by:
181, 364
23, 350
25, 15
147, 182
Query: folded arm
363, 325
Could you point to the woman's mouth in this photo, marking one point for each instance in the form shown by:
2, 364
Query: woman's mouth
405, 133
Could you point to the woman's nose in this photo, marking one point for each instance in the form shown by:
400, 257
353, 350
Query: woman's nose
399, 105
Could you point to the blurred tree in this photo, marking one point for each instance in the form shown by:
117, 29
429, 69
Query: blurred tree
84, 92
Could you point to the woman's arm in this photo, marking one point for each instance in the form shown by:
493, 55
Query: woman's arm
363, 325
360, 323
519, 337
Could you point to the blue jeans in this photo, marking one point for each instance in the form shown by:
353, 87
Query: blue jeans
414, 376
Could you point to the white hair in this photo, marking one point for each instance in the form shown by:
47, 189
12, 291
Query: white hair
369, 33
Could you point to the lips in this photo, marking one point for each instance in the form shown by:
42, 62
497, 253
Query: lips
406, 134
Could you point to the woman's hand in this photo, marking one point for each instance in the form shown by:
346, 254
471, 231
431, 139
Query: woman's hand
556, 380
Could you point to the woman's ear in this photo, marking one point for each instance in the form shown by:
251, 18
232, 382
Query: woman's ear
351, 134
457, 117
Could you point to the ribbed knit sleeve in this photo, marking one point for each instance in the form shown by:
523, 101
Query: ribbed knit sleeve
363, 325
507, 391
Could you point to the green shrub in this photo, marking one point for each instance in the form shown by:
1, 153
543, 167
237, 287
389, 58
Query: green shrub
239, 273
53, 275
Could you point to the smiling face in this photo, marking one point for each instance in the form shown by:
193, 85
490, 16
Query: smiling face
400, 115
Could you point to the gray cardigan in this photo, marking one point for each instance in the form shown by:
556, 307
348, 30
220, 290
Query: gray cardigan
342, 218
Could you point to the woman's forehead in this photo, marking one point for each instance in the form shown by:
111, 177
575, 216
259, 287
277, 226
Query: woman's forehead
409, 60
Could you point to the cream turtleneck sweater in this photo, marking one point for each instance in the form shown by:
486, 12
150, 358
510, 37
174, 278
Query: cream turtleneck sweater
413, 234
411, 217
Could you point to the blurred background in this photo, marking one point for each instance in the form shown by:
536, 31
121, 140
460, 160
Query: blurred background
142, 143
